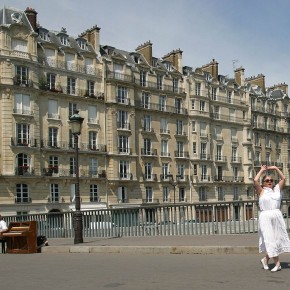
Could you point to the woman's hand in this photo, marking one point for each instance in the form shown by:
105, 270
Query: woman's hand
264, 168
272, 167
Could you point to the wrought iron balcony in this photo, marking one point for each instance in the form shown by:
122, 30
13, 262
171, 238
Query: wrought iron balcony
148, 152
23, 143
23, 200
24, 170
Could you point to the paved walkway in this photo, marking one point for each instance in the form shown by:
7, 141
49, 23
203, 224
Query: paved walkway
203, 244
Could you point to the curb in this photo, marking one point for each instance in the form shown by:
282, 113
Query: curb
151, 249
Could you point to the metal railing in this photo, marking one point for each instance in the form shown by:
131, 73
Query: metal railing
204, 218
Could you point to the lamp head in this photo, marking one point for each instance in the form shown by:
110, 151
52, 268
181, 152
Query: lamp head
76, 122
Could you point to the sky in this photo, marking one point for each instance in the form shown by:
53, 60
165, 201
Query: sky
253, 34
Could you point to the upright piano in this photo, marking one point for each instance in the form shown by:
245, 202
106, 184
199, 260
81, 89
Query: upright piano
21, 237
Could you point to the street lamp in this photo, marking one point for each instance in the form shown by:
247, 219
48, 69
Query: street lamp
173, 183
76, 126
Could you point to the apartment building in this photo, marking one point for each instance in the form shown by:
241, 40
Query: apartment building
154, 131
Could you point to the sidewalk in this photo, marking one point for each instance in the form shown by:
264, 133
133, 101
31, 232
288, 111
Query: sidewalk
203, 244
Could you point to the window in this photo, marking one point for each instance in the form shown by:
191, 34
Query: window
197, 89
192, 104
52, 137
72, 165
203, 154
216, 112
118, 71
93, 167
53, 164
159, 82
204, 176
18, 44
221, 195
123, 144
71, 140
234, 154
181, 171
178, 106
203, 132
236, 193
44, 35
143, 78
162, 103
23, 164
194, 150
257, 139
182, 197
202, 194
71, 86
92, 114
214, 94
22, 134
22, 193
21, 75
122, 194
219, 173
148, 170
165, 194
82, 44
90, 88
179, 127
147, 123
163, 126
22, 104
164, 148
64, 40
235, 173
72, 107
180, 149
54, 192
229, 97
193, 126
50, 78
89, 64
194, 169
202, 106
145, 100
122, 95
175, 85
219, 152
53, 109
147, 147
149, 194
165, 170
94, 197
267, 140
122, 120
124, 169
93, 140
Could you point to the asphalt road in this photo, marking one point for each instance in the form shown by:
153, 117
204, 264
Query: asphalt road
135, 271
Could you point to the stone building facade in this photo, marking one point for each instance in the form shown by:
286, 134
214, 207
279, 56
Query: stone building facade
154, 131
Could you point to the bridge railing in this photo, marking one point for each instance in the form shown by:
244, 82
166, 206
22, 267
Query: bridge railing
207, 218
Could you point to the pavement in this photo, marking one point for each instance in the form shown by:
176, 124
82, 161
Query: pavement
195, 244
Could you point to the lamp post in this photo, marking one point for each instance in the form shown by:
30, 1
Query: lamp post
76, 126
173, 183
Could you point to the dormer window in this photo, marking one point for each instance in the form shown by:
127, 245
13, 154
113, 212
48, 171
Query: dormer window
82, 44
44, 35
64, 40
168, 66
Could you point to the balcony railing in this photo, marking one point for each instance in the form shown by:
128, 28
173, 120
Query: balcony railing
148, 152
224, 178
123, 126
23, 200
22, 112
181, 154
219, 158
150, 177
24, 170
157, 107
119, 76
23, 143
235, 159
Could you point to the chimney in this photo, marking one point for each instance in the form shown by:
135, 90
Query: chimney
240, 76
146, 50
283, 87
258, 80
93, 37
31, 14
175, 57
212, 68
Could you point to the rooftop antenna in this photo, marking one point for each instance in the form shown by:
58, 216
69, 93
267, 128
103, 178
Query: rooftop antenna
234, 61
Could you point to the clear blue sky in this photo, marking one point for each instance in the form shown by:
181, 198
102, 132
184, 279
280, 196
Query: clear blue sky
253, 32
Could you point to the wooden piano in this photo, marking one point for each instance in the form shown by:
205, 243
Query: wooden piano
21, 237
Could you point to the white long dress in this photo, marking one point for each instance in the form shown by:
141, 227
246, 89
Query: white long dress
273, 236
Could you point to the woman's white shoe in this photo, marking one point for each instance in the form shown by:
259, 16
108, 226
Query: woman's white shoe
276, 268
264, 264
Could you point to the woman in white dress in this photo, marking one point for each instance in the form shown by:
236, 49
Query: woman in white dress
273, 236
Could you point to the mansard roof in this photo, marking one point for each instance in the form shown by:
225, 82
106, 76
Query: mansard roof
10, 16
